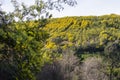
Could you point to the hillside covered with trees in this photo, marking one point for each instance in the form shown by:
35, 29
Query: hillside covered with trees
34, 46
83, 32
88, 37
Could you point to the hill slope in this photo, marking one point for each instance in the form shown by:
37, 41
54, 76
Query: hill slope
86, 32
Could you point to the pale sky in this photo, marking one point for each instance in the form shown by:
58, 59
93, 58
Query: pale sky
83, 8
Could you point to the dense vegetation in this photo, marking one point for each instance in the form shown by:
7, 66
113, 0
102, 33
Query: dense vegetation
71, 48
84, 32
87, 36
91, 38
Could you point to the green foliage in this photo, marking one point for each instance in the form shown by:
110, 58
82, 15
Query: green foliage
112, 53
21, 48
25, 45
87, 32
22, 38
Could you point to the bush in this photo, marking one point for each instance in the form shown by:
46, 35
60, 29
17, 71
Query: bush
66, 68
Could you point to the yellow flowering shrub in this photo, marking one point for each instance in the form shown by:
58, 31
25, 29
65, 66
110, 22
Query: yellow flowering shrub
50, 45
103, 37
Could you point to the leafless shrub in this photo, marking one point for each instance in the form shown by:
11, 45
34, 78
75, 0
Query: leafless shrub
93, 69
67, 68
